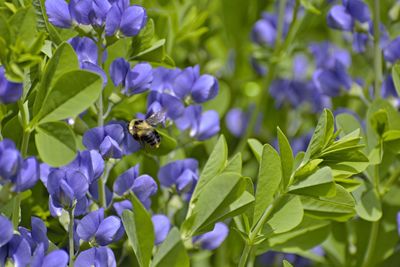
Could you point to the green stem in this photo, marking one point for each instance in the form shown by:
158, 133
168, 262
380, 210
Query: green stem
71, 237
245, 255
280, 48
377, 50
16, 210
369, 255
102, 183
392, 179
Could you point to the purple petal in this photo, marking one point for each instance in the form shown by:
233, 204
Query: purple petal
139, 79
10, 92
6, 230
126, 180
209, 125
107, 230
236, 121
163, 79
358, 10
88, 226
392, 51
144, 187
56, 258
99, 14
213, 239
19, 251
388, 88
133, 20
86, 258
93, 67
190, 118
58, 13
28, 176
55, 209
78, 183
184, 82
109, 148
113, 20
80, 10
121, 206
81, 207
39, 232
93, 138
205, 88
339, 18
54, 181
264, 33
118, 71
38, 256
162, 226
186, 181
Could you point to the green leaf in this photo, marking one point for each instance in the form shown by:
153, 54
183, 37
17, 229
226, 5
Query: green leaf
396, 77
347, 123
322, 136
215, 165
256, 147
287, 264
155, 53
308, 5
143, 40
23, 24
368, 205
140, 232
308, 168
339, 207
308, 234
55, 142
63, 60
287, 159
73, 92
213, 202
235, 164
318, 184
172, 252
269, 178
287, 214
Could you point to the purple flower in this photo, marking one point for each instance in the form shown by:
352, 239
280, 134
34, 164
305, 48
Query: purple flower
86, 12
388, 88
65, 187
135, 81
17, 250
326, 55
162, 226
127, 19
102, 231
157, 101
181, 173
164, 79
392, 51
37, 236
331, 81
119, 207
201, 126
55, 258
142, 186
23, 174
10, 92
212, 240
6, 230
88, 162
86, 50
344, 17
59, 13
265, 30
360, 41
236, 121
101, 256
199, 88
106, 140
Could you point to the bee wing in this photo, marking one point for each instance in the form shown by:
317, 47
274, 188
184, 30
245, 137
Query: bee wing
156, 118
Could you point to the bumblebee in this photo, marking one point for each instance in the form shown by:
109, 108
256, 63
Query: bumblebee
144, 132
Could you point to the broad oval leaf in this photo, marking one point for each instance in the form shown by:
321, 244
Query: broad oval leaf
55, 142
287, 159
73, 92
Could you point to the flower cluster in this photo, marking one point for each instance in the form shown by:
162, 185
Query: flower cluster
354, 16
178, 92
21, 174
29, 247
114, 17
